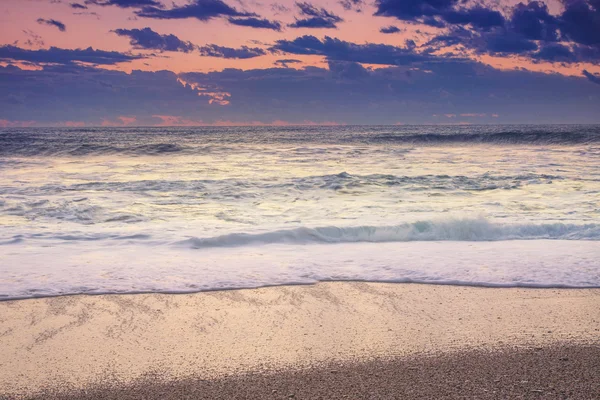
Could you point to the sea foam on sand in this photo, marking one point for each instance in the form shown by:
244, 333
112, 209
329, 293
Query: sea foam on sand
90, 268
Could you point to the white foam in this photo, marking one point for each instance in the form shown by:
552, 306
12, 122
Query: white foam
87, 268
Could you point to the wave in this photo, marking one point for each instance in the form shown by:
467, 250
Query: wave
165, 141
87, 149
450, 230
224, 188
516, 137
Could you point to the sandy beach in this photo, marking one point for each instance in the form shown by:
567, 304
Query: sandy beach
275, 341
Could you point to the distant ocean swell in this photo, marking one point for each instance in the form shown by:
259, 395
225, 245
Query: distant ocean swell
343, 180
80, 142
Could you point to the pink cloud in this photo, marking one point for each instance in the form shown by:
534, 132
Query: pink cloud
72, 124
4, 123
121, 121
174, 120
127, 120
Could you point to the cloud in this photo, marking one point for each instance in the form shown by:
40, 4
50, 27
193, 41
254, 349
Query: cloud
177, 120
94, 14
125, 3
315, 17
533, 21
592, 77
507, 43
244, 52
352, 5
33, 39
336, 49
438, 12
256, 23
78, 6
55, 55
409, 10
4, 123
52, 22
571, 36
390, 29
202, 10
72, 124
92, 95
345, 92
347, 70
555, 52
278, 8
146, 38
284, 62
479, 17
580, 21
349, 93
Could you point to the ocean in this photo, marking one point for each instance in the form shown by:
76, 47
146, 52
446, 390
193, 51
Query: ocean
174, 210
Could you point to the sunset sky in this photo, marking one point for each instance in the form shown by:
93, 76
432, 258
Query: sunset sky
238, 62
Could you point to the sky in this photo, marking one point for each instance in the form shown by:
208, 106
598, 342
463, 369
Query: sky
286, 62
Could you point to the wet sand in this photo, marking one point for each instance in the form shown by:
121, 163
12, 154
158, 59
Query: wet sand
554, 372
291, 336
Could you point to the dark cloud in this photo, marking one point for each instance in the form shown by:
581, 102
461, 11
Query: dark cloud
93, 14
212, 50
336, 49
55, 55
533, 21
125, 3
202, 10
352, 5
580, 21
479, 17
572, 36
148, 39
423, 11
390, 29
504, 42
256, 23
347, 70
555, 52
439, 13
345, 92
315, 17
409, 10
278, 8
33, 39
72, 92
592, 77
496, 42
78, 6
348, 92
52, 22
284, 62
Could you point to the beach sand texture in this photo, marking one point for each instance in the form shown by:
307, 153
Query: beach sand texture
75, 342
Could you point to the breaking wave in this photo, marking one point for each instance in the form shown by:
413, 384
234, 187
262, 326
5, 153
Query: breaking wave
451, 230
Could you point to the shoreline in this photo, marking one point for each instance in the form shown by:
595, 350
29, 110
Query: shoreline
74, 341
250, 288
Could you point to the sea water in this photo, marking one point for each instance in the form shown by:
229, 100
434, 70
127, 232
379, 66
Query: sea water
129, 210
